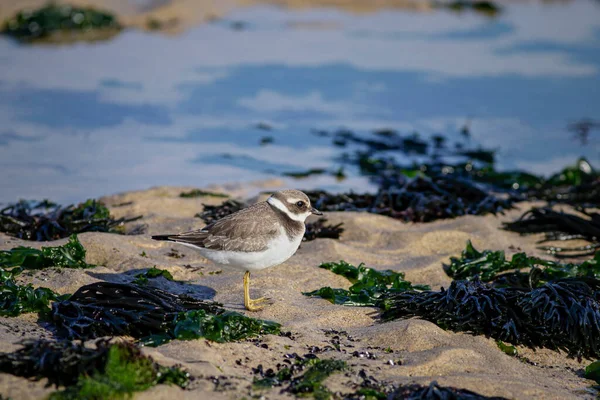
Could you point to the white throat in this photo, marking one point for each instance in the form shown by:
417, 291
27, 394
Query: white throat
281, 207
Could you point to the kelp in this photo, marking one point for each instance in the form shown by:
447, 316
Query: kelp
371, 389
314, 230
434, 392
489, 266
16, 299
560, 226
149, 314
418, 199
301, 376
152, 273
212, 213
45, 221
319, 229
201, 193
53, 18
108, 371
560, 315
368, 285
484, 7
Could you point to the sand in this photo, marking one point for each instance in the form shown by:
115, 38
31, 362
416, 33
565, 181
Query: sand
422, 352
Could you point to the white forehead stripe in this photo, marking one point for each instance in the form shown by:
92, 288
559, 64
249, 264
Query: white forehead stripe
281, 207
294, 201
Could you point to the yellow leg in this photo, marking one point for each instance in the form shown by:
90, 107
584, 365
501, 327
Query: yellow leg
251, 305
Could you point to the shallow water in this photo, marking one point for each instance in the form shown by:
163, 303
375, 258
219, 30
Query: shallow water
84, 120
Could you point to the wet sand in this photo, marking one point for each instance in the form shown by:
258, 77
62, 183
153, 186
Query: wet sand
422, 352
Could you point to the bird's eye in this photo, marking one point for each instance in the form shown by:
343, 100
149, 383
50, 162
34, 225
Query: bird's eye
300, 204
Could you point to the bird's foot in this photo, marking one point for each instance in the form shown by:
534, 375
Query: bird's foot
257, 304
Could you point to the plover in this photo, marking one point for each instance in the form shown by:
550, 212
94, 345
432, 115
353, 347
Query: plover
258, 237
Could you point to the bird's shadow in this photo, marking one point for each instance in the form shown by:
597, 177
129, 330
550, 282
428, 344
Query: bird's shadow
176, 287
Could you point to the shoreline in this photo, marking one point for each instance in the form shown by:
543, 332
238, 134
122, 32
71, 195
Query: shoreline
426, 352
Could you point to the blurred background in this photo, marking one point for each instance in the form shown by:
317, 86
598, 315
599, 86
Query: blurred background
130, 94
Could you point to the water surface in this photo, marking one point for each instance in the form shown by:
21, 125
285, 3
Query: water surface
84, 120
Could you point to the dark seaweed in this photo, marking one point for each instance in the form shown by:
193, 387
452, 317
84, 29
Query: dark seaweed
305, 174
419, 199
45, 221
560, 315
487, 8
153, 315
303, 376
45, 21
319, 229
560, 226
214, 213
436, 392
368, 285
110, 370
201, 193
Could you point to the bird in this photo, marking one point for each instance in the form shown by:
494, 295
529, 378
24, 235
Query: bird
260, 236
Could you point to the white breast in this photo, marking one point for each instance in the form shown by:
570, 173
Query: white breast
279, 250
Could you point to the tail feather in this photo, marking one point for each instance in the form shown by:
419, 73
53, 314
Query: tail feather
163, 237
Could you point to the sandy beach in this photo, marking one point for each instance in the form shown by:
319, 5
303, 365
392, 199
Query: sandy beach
421, 351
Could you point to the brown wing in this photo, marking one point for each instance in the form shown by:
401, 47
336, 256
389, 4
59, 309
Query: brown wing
240, 231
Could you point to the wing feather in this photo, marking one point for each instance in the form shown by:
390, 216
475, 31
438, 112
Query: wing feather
240, 231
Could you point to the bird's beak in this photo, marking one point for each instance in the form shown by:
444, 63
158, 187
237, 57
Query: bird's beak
315, 211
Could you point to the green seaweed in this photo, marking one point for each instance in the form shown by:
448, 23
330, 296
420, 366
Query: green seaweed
507, 349
304, 377
592, 371
70, 255
368, 285
488, 266
311, 382
202, 193
142, 279
16, 299
227, 326
52, 18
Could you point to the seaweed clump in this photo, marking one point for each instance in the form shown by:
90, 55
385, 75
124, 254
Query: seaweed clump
16, 299
302, 377
368, 285
152, 273
418, 199
108, 371
52, 18
492, 266
314, 230
150, 314
45, 221
201, 193
560, 226
319, 229
563, 314
552, 305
